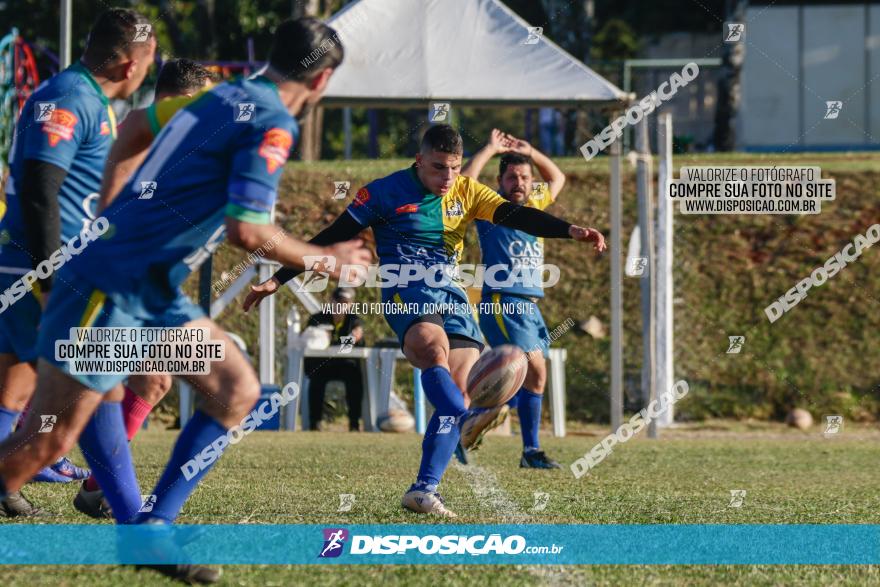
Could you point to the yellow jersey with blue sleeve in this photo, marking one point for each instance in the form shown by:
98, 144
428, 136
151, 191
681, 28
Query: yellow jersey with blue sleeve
413, 225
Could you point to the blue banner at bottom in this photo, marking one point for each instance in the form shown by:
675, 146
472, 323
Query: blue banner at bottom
441, 544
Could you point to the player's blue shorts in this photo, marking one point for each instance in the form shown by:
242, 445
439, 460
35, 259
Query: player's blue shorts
74, 303
510, 319
403, 306
19, 322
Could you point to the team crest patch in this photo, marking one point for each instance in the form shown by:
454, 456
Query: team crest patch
275, 148
105, 127
539, 188
60, 126
407, 209
456, 209
361, 198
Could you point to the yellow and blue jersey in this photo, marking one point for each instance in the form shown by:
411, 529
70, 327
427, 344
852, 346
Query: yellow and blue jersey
220, 155
520, 253
414, 226
67, 122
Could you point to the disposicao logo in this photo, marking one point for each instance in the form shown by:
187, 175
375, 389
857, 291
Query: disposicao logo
334, 539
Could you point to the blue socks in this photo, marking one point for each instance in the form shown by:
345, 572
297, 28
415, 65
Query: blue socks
513, 403
7, 419
443, 432
529, 408
105, 446
198, 447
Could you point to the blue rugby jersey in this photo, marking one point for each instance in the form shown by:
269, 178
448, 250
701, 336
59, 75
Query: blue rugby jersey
67, 122
515, 249
220, 155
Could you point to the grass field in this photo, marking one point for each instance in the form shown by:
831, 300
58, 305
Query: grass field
686, 477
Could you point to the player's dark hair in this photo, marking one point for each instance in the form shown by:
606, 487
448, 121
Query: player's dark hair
442, 138
512, 159
182, 76
304, 47
117, 32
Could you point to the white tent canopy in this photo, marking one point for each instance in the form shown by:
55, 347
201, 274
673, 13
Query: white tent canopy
405, 52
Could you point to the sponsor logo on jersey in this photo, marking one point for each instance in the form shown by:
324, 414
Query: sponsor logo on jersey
407, 209
361, 198
60, 126
275, 148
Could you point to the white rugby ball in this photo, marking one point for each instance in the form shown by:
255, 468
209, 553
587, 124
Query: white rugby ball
799, 418
497, 376
396, 421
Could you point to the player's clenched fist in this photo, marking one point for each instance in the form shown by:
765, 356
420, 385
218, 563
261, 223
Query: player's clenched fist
579, 233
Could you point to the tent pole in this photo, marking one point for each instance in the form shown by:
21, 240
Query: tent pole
616, 290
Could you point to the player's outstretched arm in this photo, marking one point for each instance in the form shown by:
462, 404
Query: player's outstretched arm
539, 223
290, 251
335, 240
126, 155
549, 171
497, 145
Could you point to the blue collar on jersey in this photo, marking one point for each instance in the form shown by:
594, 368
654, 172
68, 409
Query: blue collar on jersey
415, 177
83, 71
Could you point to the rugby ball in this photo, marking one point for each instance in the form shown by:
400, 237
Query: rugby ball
497, 376
396, 421
799, 418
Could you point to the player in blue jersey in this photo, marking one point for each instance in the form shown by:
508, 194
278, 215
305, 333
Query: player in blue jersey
178, 78
509, 312
419, 216
213, 169
60, 143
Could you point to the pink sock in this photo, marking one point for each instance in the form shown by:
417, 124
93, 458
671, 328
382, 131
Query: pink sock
134, 411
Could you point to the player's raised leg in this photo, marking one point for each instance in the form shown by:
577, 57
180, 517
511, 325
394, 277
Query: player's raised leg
479, 421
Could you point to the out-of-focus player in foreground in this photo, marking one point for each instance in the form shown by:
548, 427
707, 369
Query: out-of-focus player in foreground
178, 77
517, 249
419, 216
211, 172
61, 141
